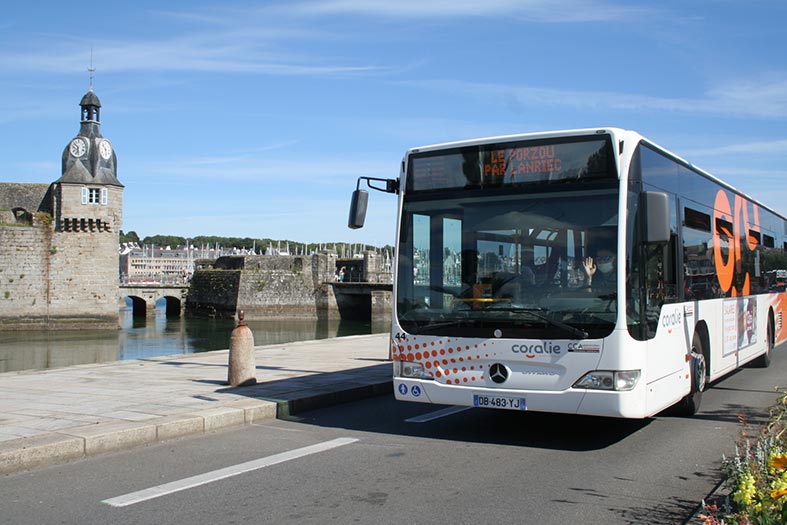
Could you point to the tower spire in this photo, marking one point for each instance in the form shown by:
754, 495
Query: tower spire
91, 69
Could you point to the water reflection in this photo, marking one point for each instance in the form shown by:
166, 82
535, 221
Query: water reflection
155, 336
51, 349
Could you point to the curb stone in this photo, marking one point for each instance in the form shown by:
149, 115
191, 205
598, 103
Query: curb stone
56, 448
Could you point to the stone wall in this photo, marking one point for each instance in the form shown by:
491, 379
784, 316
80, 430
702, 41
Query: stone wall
24, 263
213, 293
84, 279
52, 279
266, 286
374, 269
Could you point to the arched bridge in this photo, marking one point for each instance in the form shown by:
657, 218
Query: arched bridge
144, 296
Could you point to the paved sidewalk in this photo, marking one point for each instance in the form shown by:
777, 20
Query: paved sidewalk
53, 416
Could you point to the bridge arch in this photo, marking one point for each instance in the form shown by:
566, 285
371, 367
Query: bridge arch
139, 307
144, 298
173, 305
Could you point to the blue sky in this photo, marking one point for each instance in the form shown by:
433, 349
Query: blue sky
254, 119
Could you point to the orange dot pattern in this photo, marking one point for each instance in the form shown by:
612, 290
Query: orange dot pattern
448, 361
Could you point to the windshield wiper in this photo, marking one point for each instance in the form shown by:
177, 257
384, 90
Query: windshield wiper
577, 332
436, 325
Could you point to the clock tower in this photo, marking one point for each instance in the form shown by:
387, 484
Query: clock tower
88, 196
65, 247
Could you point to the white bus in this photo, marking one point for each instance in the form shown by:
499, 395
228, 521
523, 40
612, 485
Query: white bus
581, 272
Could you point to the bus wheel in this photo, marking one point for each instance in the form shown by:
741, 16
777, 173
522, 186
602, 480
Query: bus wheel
689, 405
764, 361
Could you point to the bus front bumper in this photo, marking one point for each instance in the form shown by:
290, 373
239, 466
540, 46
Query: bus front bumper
630, 404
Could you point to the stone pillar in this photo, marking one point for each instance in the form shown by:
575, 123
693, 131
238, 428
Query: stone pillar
374, 268
242, 370
370, 267
150, 305
382, 309
325, 303
323, 267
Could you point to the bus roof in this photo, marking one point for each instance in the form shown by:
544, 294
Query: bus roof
519, 136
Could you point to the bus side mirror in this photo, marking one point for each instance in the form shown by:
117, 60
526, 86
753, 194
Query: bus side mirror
361, 199
358, 204
657, 217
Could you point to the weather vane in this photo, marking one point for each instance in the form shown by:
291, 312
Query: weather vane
91, 69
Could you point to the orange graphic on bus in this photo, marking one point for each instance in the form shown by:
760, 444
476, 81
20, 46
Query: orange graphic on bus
731, 224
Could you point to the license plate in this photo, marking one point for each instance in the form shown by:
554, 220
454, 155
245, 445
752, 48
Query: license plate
508, 403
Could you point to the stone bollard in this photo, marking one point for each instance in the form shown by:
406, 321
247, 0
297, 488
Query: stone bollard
241, 368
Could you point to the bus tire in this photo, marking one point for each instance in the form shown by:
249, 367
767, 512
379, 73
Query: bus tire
690, 405
764, 361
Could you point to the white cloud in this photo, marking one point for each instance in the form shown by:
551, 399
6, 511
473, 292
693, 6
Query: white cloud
768, 147
762, 95
531, 10
264, 40
188, 54
317, 170
766, 98
220, 40
422, 131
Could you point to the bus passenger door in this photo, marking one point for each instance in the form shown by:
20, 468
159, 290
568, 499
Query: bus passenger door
667, 346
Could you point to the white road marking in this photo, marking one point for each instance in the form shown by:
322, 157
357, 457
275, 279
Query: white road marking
216, 475
431, 416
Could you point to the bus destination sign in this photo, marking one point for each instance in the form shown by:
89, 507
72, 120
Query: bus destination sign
512, 164
515, 162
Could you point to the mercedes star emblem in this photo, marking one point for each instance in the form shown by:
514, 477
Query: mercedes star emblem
498, 373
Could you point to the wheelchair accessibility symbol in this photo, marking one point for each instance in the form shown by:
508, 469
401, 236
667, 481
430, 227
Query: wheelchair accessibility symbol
416, 391
403, 389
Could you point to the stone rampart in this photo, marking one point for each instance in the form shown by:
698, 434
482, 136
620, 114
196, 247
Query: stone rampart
266, 286
23, 268
213, 293
53, 279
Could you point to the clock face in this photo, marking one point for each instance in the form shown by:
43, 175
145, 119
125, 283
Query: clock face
78, 147
105, 148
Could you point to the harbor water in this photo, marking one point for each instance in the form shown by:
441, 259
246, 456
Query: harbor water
140, 338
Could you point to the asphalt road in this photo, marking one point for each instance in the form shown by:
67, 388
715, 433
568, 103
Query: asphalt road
473, 466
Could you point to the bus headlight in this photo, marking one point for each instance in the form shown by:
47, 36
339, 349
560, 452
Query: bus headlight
620, 380
411, 370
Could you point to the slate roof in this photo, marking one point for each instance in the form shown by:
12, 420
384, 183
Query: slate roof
90, 99
31, 197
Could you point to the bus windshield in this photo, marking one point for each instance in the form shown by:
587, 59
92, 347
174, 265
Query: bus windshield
482, 263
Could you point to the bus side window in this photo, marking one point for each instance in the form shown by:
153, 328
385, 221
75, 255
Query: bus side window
699, 272
661, 275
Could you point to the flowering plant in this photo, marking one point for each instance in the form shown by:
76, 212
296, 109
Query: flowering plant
756, 475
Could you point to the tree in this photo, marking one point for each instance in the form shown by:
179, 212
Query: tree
129, 237
164, 240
